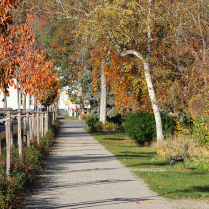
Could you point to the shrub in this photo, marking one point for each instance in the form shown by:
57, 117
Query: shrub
98, 126
141, 127
109, 126
56, 125
200, 129
90, 121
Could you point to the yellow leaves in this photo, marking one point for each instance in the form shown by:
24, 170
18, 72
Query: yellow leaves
161, 153
181, 130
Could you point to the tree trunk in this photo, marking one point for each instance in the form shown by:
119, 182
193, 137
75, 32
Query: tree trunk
103, 96
18, 96
29, 101
35, 103
5, 100
82, 108
24, 103
154, 102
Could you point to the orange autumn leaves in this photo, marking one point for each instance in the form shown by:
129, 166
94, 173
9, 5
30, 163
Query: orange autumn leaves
18, 60
124, 79
5, 17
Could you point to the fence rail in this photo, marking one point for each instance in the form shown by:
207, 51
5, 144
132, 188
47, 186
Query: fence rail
34, 124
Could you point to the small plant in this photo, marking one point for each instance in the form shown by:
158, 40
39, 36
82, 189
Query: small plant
90, 121
108, 126
98, 126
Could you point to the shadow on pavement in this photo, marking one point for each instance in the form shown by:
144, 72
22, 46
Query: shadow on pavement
49, 203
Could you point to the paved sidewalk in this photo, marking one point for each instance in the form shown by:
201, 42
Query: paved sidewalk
81, 173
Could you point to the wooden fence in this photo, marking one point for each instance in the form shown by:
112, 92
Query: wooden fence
34, 124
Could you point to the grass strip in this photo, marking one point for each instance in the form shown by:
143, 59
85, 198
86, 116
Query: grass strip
177, 183
73, 118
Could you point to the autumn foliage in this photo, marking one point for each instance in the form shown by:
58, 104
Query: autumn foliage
5, 13
18, 60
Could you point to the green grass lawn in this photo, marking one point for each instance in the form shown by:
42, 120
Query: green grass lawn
73, 118
177, 183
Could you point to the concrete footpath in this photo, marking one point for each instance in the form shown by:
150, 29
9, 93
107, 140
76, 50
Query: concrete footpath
81, 173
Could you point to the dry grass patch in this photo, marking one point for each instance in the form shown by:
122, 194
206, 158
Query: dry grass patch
173, 146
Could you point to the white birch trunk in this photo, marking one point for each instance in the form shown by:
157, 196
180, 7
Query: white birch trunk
103, 96
29, 101
5, 100
154, 102
18, 96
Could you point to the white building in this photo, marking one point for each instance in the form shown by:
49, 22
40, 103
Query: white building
64, 103
12, 100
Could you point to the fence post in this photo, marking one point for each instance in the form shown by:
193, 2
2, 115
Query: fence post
46, 122
42, 125
32, 130
38, 126
19, 135
8, 144
11, 131
53, 116
24, 131
35, 124
28, 131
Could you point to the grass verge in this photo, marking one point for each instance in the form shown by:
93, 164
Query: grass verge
73, 118
176, 184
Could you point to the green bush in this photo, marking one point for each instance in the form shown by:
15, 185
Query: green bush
90, 121
110, 126
200, 129
141, 127
98, 126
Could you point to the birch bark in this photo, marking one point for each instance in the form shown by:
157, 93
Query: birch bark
103, 96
